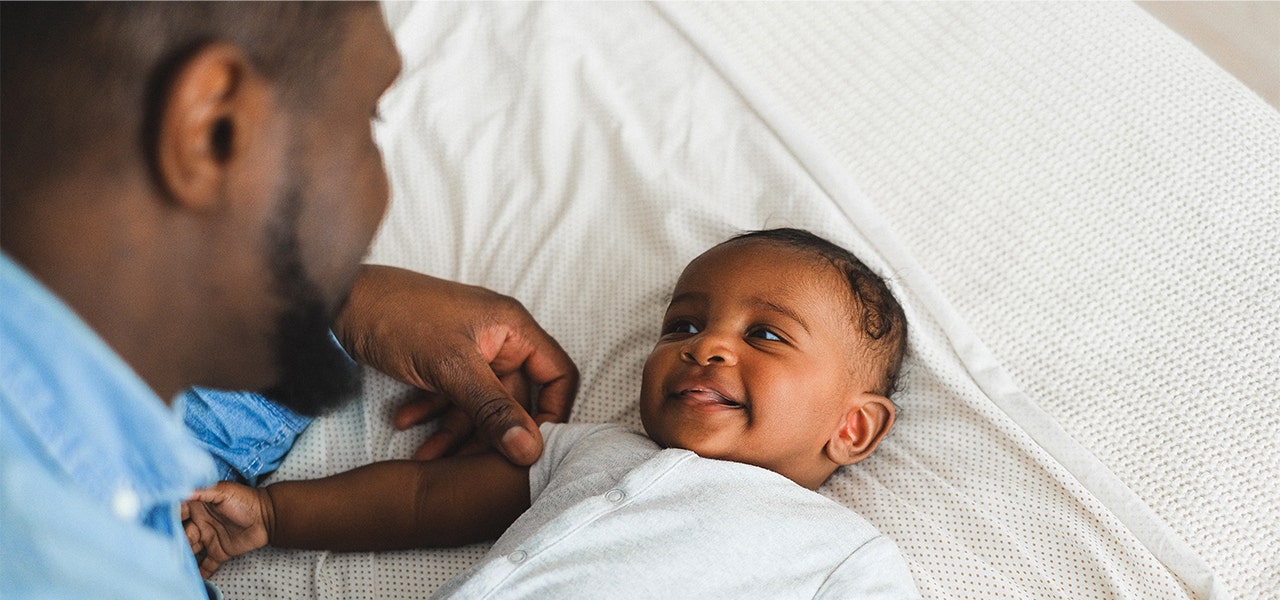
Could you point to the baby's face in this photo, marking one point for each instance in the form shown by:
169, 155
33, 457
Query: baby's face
754, 361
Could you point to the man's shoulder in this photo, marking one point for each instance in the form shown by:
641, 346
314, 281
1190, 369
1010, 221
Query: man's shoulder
71, 545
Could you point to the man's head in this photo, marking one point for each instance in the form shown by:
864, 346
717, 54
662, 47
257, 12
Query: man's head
199, 181
779, 349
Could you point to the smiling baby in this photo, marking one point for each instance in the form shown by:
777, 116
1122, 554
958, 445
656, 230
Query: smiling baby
777, 356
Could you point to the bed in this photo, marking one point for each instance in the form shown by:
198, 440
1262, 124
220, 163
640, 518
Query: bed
1080, 212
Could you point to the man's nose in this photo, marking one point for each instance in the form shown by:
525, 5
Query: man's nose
708, 348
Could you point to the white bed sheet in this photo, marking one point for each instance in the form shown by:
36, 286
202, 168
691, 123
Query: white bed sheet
576, 156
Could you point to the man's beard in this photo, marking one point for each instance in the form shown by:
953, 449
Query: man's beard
315, 375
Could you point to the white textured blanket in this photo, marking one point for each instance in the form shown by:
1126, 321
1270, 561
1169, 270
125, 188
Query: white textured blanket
1070, 186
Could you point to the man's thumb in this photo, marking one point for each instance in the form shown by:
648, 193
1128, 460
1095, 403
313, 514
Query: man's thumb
500, 419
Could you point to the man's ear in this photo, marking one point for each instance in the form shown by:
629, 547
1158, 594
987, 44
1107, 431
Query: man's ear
213, 103
867, 420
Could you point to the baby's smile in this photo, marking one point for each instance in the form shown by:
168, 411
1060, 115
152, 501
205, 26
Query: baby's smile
706, 398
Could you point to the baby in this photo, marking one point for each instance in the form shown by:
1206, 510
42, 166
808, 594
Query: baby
776, 360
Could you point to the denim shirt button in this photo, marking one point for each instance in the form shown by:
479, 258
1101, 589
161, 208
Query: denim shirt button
125, 504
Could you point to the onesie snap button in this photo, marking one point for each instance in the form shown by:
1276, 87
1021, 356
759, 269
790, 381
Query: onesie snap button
615, 495
518, 556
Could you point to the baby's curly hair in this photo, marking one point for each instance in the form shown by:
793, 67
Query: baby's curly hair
876, 311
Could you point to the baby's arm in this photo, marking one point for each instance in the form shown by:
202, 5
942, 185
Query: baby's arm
383, 506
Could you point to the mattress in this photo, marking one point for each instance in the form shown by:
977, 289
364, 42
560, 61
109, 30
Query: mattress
1078, 210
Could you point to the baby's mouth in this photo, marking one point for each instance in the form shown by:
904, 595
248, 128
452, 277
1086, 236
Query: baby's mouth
707, 397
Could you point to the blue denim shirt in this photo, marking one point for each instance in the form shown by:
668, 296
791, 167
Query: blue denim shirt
93, 465
246, 434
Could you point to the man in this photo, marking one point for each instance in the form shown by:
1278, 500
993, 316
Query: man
188, 190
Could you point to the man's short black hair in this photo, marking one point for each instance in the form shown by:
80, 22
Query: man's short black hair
876, 312
82, 80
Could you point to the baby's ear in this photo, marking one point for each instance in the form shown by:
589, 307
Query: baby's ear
867, 420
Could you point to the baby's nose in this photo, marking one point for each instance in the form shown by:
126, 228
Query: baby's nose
707, 350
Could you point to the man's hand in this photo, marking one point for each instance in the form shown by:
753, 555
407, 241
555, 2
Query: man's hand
477, 353
225, 521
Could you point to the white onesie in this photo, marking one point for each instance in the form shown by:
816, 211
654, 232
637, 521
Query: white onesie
614, 516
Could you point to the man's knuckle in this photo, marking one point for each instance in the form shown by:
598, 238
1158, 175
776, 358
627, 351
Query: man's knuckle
492, 412
453, 363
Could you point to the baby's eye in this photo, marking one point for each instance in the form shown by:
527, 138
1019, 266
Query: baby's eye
680, 326
765, 334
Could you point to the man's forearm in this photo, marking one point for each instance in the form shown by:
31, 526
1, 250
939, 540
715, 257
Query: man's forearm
400, 504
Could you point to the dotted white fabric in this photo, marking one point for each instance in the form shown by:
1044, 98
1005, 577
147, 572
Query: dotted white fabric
1033, 186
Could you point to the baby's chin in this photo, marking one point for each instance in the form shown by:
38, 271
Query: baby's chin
706, 449
666, 441
697, 444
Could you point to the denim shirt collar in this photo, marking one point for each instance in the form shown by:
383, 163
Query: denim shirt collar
88, 411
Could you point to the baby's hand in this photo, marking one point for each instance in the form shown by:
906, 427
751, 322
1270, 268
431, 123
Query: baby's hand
225, 521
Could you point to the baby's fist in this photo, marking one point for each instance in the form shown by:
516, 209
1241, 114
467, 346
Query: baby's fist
223, 522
